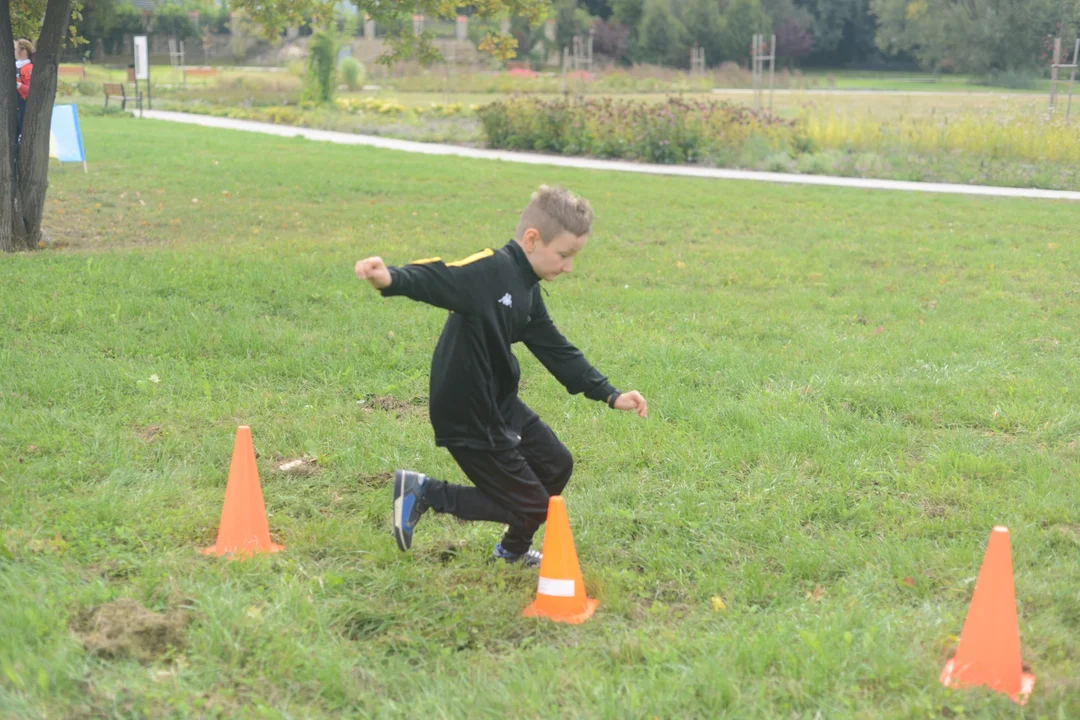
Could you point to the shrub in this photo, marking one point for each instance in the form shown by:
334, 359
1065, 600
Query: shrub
678, 131
353, 73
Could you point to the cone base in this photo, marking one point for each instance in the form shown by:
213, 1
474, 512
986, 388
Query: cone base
1027, 683
214, 550
574, 619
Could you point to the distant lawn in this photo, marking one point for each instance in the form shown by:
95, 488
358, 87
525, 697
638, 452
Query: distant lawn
848, 390
917, 81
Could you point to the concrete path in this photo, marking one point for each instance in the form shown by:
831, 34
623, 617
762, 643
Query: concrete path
609, 165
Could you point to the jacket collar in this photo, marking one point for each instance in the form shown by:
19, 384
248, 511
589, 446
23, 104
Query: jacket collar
524, 267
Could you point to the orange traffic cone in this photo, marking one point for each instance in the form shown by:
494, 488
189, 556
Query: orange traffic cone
560, 594
244, 529
989, 651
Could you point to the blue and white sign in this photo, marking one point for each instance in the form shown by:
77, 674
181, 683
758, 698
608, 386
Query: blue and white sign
65, 138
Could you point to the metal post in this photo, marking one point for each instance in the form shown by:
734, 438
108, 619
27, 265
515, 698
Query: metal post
1072, 78
753, 68
565, 66
760, 71
1054, 72
772, 70
758, 39
453, 69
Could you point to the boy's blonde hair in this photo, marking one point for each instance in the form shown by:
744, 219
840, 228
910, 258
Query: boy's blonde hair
555, 210
24, 44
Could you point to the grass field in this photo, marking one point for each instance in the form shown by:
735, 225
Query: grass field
847, 390
914, 81
983, 139
885, 104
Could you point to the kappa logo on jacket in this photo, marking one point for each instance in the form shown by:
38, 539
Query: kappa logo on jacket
507, 300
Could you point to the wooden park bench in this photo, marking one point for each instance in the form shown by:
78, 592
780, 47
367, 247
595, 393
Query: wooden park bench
72, 71
203, 72
117, 90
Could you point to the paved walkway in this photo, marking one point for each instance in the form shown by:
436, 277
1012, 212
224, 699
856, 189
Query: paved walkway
610, 165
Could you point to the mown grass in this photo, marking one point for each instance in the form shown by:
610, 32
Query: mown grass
847, 390
968, 138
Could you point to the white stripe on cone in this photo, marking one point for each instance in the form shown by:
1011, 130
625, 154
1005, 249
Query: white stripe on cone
556, 588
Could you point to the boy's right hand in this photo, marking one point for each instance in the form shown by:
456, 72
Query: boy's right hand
632, 402
373, 269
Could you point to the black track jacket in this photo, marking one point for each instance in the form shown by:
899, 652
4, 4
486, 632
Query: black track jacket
494, 301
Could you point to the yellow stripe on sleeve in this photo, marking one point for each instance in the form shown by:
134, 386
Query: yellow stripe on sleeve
426, 261
486, 253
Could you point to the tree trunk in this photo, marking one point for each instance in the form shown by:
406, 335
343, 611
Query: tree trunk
8, 105
28, 163
33, 164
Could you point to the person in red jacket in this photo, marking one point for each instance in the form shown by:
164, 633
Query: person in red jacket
24, 68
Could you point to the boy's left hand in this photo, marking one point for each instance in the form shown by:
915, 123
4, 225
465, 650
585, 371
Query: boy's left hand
632, 401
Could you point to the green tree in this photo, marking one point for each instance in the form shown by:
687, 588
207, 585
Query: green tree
843, 30
97, 17
598, 8
570, 20
742, 20
628, 13
395, 15
173, 20
976, 36
125, 19
793, 27
662, 37
532, 43
705, 27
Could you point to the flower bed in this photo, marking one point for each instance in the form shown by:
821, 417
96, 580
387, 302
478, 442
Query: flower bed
678, 131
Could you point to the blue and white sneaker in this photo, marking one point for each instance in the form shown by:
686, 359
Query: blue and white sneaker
528, 559
408, 505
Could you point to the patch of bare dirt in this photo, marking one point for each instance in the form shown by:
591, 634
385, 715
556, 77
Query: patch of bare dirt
126, 629
149, 434
374, 480
297, 467
397, 406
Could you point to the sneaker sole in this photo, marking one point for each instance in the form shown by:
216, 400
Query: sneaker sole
399, 524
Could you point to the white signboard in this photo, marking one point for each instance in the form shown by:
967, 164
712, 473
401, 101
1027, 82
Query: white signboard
142, 60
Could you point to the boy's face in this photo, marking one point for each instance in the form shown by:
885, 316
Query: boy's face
550, 260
